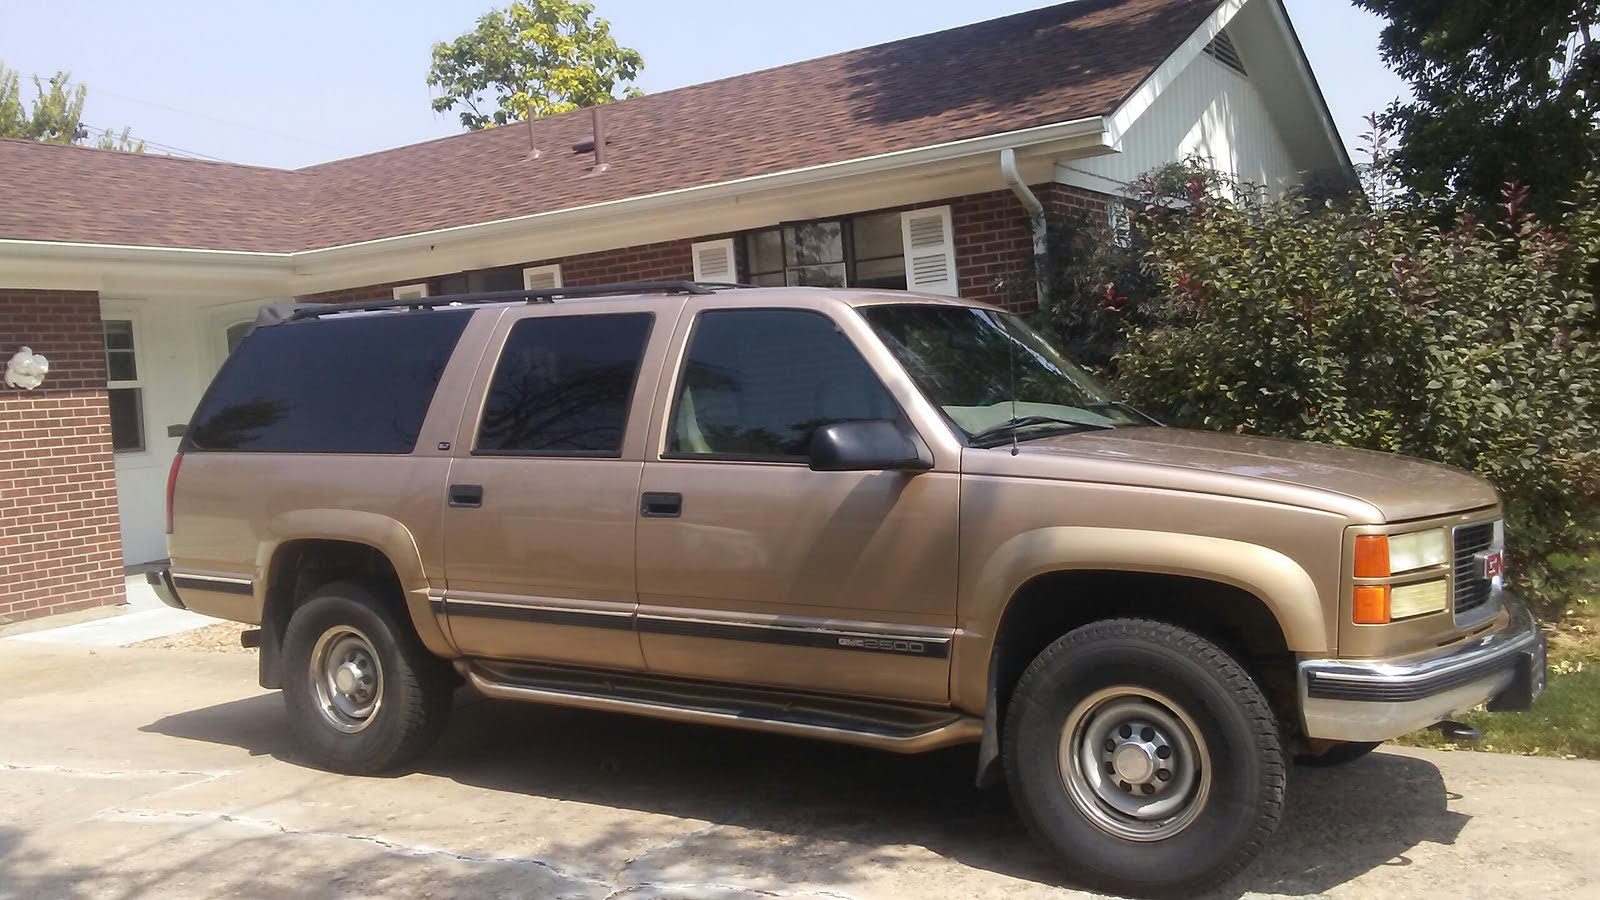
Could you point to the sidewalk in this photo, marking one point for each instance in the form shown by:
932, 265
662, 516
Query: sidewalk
143, 618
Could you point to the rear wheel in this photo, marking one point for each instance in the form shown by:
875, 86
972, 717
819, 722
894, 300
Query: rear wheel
1145, 756
363, 694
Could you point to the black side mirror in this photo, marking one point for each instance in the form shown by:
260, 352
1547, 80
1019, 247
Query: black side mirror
868, 446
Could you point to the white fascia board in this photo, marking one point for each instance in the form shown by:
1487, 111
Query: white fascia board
1170, 70
1308, 82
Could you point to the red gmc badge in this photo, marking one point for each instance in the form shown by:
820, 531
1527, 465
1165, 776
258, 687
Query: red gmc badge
1491, 563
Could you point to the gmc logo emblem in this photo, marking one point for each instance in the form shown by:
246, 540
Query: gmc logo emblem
1491, 564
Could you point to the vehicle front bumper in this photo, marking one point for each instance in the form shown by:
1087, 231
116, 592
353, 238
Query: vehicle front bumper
1375, 700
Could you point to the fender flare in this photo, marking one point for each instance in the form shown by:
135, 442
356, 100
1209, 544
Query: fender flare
1281, 584
383, 534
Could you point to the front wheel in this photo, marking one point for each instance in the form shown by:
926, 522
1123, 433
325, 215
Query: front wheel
363, 694
1146, 757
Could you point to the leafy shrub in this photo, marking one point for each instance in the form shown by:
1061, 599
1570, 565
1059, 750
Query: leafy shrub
1474, 344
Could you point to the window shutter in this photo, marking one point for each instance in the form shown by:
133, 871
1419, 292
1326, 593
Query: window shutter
411, 292
541, 278
714, 262
930, 251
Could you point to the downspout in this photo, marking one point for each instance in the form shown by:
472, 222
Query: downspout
1041, 242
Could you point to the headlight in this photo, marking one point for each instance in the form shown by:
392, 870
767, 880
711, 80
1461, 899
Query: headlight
1418, 550
1407, 600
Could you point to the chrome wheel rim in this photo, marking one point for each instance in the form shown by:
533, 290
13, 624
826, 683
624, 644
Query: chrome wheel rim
1134, 763
347, 677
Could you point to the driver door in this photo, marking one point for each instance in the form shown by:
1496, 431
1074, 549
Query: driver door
755, 569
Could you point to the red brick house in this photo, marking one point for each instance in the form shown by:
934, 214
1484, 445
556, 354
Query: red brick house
923, 163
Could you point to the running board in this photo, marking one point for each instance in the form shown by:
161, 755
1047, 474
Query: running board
885, 726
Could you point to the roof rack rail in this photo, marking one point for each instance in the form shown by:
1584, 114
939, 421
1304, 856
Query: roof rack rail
276, 313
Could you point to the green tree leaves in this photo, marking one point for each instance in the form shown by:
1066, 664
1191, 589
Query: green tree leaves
533, 58
56, 114
1505, 91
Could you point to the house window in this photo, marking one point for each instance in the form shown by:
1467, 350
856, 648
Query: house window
862, 251
479, 281
236, 333
126, 392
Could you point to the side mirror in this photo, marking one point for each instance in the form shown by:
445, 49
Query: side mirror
868, 446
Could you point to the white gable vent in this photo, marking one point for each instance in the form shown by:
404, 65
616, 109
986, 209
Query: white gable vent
714, 263
1223, 51
930, 251
541, 278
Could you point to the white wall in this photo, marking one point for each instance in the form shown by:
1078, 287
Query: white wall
1210, 111
179, 344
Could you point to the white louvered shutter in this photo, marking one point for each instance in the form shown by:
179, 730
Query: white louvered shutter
714, 263
930, 251
410, 291
541, 278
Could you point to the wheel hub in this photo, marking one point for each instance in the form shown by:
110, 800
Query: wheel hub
347, 678
1134, 763
1140, 757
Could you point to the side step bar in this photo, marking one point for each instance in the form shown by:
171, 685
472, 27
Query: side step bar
884, 726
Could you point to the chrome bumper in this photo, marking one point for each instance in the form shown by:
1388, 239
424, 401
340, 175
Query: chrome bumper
1375, 700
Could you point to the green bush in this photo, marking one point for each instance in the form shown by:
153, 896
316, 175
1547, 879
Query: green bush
1474, 344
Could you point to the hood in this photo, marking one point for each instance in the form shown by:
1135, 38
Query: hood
1399, 487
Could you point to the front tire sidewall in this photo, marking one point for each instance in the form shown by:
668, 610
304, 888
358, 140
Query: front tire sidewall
407, 718
1244, 758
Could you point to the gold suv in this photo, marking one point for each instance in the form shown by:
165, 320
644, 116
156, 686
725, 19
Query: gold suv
893, 520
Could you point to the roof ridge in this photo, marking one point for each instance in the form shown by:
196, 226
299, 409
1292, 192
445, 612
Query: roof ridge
149, 156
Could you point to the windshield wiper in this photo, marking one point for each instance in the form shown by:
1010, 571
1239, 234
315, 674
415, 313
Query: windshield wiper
1012, 426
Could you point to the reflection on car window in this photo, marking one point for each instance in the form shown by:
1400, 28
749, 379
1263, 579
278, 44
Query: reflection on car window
757, 382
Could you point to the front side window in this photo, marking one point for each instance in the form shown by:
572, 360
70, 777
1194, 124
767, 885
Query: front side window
563, 385
984, 368
125, 392
757, 382
345, 384
864, 251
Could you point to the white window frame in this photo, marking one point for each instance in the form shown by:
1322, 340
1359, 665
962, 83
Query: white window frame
726, 245
136, 326
532, 272
411, 291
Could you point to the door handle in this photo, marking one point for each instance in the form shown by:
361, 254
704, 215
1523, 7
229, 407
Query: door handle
661, 505
469, 496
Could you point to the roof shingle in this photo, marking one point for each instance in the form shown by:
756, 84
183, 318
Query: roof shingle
1050, 65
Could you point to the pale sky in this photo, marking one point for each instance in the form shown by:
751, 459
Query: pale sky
294, 82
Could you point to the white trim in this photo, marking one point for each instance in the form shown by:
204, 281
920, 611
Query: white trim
411, 291
115, 312
532, 274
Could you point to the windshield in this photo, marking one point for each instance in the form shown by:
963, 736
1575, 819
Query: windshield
985, 368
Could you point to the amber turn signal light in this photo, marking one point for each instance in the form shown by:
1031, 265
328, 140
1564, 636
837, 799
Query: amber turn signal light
1372, 556
1371, 606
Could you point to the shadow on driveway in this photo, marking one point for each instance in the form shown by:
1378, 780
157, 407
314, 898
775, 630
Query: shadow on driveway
839, 804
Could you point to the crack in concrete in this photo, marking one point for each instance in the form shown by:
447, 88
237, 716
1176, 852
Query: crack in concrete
613, 888
111, 773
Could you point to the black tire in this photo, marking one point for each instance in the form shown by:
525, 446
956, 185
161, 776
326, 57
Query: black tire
416, 686
1339, 754
1224, 705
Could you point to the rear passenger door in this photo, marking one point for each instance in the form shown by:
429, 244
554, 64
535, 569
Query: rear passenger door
544, 487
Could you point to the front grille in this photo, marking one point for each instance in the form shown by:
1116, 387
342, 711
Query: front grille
1472, 589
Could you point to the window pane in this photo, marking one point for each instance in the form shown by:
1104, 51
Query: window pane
507, 278
764, 251
889, 274
757, 383
120, 362
878, 236
562, 385
814, 243
818, 276
127, 419
349, 384
119, 335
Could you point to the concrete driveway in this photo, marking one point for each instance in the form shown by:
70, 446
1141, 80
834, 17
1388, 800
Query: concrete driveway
140, 772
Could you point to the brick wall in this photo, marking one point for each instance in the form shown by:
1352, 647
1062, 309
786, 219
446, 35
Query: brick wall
59, 544
993, 242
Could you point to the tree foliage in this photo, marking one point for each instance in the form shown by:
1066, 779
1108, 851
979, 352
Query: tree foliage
1475, 344
1504, 91
56, 114
533, 58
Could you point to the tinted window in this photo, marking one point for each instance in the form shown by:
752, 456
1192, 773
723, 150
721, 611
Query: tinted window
352, 384
562, 386
757, 383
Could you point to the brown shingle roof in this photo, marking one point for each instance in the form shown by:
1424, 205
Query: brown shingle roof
1050, 65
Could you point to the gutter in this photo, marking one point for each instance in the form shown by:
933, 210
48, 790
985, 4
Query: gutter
1041, 231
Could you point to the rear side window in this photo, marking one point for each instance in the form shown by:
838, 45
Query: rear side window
563, 385
355, 384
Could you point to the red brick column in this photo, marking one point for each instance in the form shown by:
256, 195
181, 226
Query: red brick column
60, 548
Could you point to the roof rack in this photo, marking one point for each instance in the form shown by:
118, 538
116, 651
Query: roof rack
276, 313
